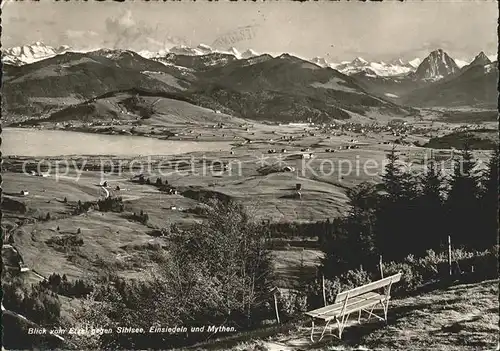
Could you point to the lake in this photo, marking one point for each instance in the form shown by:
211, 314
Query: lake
35, 142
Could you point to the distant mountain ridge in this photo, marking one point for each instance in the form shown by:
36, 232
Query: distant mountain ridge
283, 88
474, 85
26, 54
394, 68
246, 85
439, 81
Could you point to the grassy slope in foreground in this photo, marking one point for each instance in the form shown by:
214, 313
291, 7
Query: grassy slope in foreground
460, 317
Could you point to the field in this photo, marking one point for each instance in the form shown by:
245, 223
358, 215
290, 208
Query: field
261, 169
259, 165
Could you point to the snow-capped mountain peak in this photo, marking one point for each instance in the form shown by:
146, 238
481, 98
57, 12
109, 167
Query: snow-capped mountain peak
151, 54
184, 50
371, 69
415, 62
248, 54
205, 47
359, 60
201, 49
36, 51
398, 62
233, 51
320, 61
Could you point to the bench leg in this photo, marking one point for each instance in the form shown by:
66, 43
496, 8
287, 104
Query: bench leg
324, 330
312, 330
386, 308
370, 314
341, 324
359, 317
322, 333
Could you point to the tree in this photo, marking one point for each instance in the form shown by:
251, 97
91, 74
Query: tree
462, 204
218, 272
430, 211
397, 183
489, 204
394, 214
354, 244
229, 251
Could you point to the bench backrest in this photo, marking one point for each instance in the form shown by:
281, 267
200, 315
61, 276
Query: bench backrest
368, 287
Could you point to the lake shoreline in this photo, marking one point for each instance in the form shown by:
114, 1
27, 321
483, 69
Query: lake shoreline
35, 142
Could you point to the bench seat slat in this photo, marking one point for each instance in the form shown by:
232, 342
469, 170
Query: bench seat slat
350, 308
317, 313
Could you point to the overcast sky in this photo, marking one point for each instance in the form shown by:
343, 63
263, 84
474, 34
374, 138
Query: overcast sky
333, 30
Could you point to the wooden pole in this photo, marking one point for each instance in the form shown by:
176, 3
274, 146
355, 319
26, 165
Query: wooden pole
276, 308
381, 267
449, 254
323, 286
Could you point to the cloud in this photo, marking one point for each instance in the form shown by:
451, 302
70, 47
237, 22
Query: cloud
79, 34
124, 32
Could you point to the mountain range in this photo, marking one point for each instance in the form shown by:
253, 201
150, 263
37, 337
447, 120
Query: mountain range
247, 85
283, 88
38, 51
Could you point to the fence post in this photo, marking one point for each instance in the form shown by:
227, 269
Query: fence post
276, 308
449, 254
323, 287
381, 267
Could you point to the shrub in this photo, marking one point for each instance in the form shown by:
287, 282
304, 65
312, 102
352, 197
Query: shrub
65, 242
410, 279
83, 207
62, 286
292, 304
142, 217
346, 281
113, 204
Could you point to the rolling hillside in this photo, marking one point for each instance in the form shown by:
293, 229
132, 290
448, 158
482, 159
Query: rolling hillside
284, 88
287, 88
49, 85
156, 108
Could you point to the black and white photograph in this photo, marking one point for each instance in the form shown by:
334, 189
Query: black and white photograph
250, 175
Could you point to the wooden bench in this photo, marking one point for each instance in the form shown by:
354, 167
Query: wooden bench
361, 299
